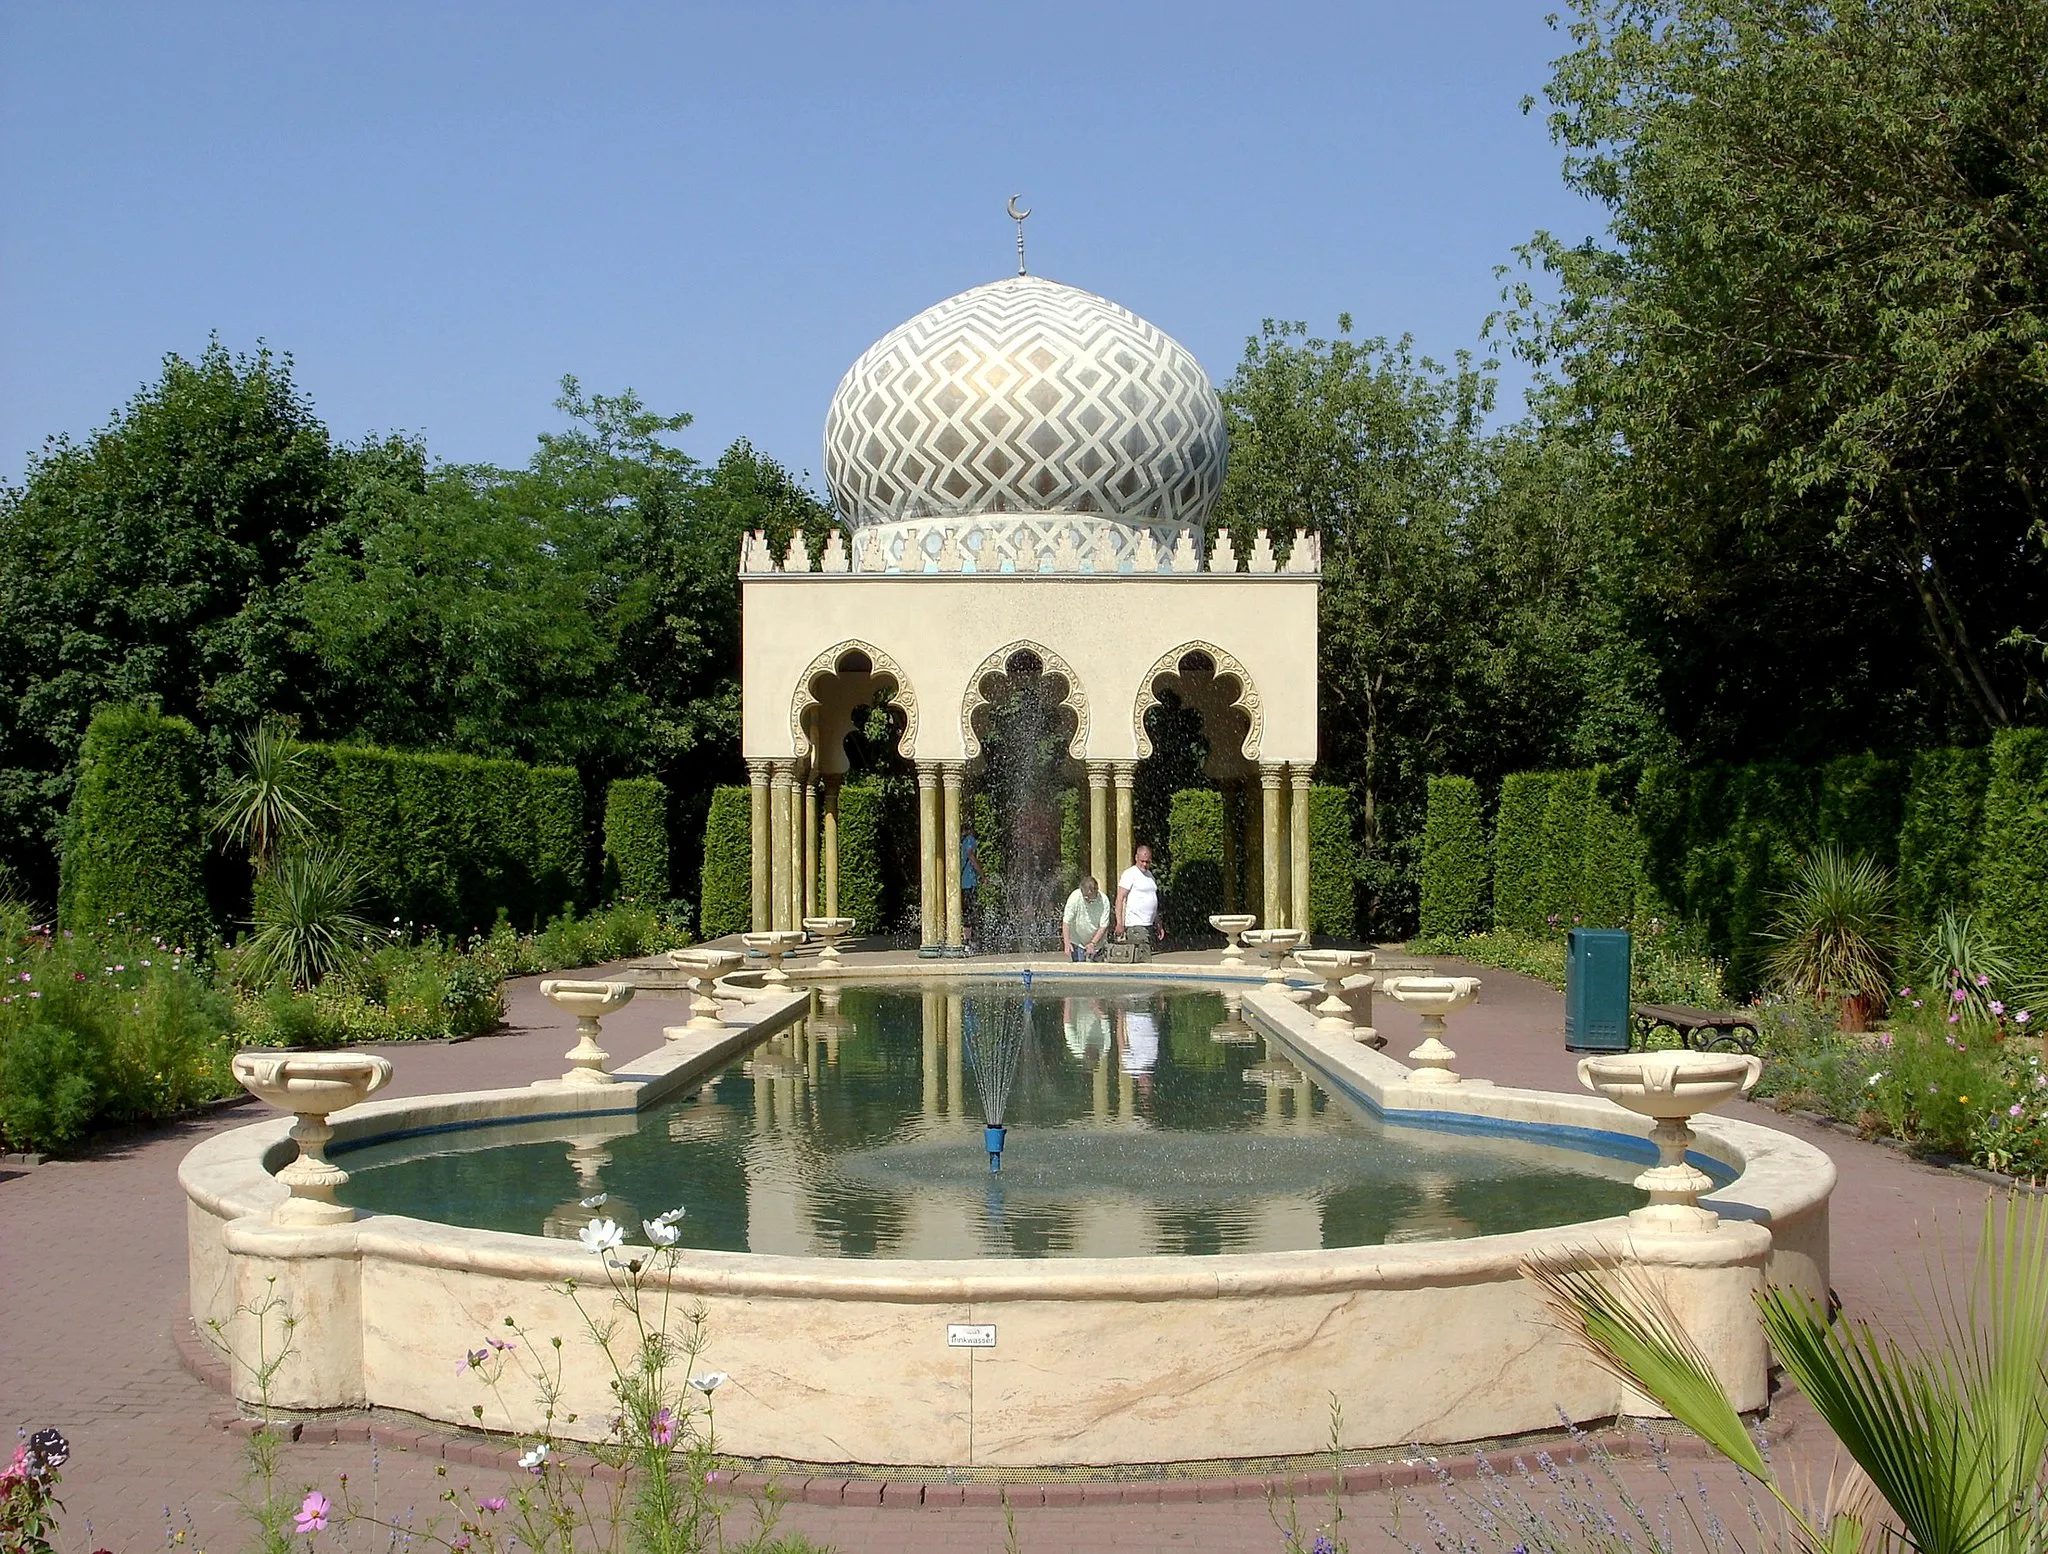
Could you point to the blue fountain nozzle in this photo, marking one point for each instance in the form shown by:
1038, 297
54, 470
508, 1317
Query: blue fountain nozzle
992, 1140
1027, 976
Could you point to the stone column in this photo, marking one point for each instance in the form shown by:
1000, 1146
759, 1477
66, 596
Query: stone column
759, 828
1254, 855
828, 816
930, 911
1101, 841
810, 890
782, 791
1299, 777
1229, 795
950, 777
1126, 773
1271, 796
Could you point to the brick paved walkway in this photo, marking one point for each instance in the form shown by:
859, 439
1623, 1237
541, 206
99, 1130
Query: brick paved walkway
92, 1279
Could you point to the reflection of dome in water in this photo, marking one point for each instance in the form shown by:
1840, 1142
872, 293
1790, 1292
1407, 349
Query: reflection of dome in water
1025, 397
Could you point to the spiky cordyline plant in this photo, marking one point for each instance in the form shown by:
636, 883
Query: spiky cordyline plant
1834, 929
306, 923
1953, 1435
269, 802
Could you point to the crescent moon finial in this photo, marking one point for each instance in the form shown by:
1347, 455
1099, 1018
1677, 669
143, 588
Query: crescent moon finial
1018, 216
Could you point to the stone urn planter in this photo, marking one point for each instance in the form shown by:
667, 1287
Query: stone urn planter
311, 1085
703, 968
831, 930
589, 1002
774, 945
1274, 945
1433, 998
1333, 1014
1672, 1088
1230, 925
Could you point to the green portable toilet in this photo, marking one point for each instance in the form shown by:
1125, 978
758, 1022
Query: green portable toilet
1596, 1001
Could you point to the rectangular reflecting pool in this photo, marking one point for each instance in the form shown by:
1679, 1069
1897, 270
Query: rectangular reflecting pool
1139, 1120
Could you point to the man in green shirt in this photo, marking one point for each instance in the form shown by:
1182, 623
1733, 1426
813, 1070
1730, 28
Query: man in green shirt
1085, 923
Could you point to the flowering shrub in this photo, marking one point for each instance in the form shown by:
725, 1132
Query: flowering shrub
102, 1028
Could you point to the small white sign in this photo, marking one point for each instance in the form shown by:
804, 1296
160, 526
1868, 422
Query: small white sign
970, 1335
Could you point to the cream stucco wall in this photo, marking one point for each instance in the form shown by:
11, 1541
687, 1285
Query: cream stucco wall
939, 631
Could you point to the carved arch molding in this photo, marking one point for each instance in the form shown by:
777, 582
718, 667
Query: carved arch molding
827, 663
1050, 663
1227, 665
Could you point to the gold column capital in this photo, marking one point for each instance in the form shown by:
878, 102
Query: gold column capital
1272, 775
1124, 773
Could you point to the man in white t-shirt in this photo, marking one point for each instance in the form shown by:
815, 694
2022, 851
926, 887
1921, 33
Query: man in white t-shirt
1138, 922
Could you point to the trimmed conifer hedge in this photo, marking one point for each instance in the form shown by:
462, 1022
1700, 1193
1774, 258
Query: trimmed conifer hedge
1194, 844
1518, 850
862, 818
1455, 864
727, 902
636, 840
1941, 827
447, 842
135, 842
1561, 863
1333, 863
2012, 872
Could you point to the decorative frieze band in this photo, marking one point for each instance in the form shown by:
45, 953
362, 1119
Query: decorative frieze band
1030, 543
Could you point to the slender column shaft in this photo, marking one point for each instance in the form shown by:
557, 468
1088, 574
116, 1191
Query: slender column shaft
1271, 796
758, 829
810, 891
829, 817
793, 906
1299, 777
1101, 842
1255, 853
1126, 783
782, 788
930, 911
1230, 847
949, 778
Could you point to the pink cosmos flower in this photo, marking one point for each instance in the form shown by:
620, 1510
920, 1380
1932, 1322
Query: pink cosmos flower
2015, 1109
1997, 1007
312, 1512
1958, 995
664, 1427
1884, 1040
1952, 1019
1982, 980
2022, 1017
492, 1503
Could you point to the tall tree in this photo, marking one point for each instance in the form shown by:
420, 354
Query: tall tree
1818, 328
156, 561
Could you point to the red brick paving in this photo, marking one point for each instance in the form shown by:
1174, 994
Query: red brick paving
94, 1276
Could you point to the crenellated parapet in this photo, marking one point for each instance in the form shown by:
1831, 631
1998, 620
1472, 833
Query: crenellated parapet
1046, 545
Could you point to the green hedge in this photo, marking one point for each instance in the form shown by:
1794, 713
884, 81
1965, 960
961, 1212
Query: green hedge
1194, 843
727, 905
862, 892
1455, 872
1518, 850
1333, 864
1073, 840
1859, 800
1612, 891
2012, 878
135, 843
1940, 830
636, 840
1561, 864
450, 841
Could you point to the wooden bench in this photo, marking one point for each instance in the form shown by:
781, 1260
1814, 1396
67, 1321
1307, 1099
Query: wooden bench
1701, 1030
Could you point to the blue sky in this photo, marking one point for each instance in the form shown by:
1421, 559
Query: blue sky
438, 209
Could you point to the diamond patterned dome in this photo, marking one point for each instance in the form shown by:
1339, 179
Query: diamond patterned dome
1025, 396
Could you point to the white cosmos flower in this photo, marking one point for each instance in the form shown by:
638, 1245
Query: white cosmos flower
602, 1235
670, 1217
709, 1382
660, 1232
533, 1459
595, 1200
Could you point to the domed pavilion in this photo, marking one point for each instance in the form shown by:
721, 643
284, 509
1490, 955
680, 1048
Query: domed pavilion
1024, 475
